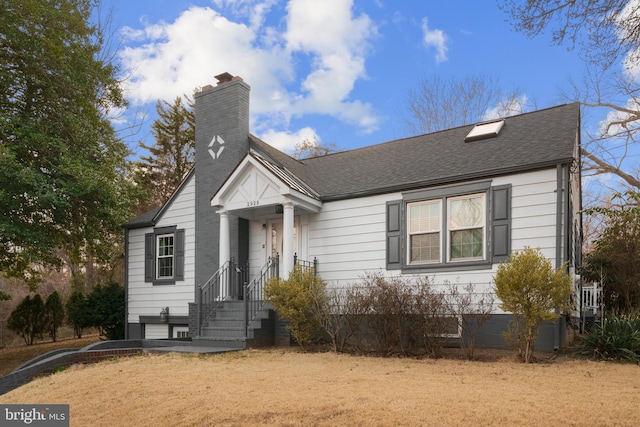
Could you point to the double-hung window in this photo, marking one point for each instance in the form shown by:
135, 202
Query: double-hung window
164, 260
447, 228
164, 256
425, 237
458, 235
466, 227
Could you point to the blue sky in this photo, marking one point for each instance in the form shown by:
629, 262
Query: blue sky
335, 70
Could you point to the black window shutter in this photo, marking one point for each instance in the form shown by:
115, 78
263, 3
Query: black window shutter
149, 257
179, 273
394, 235
500, 223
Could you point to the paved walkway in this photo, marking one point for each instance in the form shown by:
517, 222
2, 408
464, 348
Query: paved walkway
190, 349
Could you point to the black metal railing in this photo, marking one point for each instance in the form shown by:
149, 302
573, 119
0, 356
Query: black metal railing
231, 281
254, 291
225, 284
306, 264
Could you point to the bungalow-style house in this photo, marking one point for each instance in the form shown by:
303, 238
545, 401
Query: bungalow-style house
449, 205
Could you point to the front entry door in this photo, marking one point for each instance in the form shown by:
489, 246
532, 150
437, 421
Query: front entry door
274, 237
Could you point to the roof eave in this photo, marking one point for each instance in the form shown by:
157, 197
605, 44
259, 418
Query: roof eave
448, 180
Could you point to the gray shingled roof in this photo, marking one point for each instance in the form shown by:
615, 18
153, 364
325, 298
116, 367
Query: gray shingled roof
526, 142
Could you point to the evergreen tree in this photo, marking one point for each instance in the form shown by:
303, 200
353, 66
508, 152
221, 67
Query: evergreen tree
54, 313
28, 319
106, 309
62, 169
78, 313
173, 152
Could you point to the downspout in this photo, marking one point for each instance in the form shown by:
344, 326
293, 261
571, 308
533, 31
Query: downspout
559, 240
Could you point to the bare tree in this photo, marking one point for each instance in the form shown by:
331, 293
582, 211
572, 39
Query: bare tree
607, 32
307, 148
437, 103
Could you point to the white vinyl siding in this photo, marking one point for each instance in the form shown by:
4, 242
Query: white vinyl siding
348, 237
144, 299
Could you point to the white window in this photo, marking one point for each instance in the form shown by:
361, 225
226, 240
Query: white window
466, 227
164, 257
461, 230
425, 241
180, 332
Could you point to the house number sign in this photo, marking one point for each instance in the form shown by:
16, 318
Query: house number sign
253, 203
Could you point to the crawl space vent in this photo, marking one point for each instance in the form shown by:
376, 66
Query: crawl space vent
484, 131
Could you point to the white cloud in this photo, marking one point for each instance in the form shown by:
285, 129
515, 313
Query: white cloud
436, 39
166, 59
287, 140
507, 107
338, 57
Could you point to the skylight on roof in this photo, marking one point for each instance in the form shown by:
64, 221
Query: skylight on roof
484, 131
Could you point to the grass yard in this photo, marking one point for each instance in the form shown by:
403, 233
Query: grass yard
286, 387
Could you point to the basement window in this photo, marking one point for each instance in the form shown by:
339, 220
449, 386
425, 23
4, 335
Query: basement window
484, 131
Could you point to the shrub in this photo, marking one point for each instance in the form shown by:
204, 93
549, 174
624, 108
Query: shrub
327, 306
293, 299
617, 339
28, 319
472, 311
435, 316
106, 310
54, 314
529, 288
390, 315
78, 314
389, 303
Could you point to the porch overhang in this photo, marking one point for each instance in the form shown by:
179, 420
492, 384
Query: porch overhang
254, 187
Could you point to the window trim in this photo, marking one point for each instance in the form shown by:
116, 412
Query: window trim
151, 255
444, 193
440, 231
484, 227
445, 230
158, 238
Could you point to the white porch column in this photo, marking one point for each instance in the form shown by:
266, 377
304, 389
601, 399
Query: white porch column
287, 240
224, 253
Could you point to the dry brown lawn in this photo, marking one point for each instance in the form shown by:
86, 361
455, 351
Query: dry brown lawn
285, 387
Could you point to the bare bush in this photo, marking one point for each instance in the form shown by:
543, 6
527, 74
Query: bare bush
390, 315
472, 311
326, 307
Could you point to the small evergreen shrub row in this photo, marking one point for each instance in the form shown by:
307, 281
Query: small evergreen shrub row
103, 308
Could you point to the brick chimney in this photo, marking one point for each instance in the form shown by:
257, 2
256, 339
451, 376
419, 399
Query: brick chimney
222, 141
